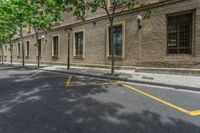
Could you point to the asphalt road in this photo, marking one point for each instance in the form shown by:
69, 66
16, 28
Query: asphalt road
33, 101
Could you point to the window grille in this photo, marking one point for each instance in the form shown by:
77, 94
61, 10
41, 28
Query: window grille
117, 40
179, 30
79, 43
55, 46
39, 47
27, 48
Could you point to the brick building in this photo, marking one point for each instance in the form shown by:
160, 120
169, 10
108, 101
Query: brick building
170, 38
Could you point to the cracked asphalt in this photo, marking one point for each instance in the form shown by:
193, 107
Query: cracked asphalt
34, 101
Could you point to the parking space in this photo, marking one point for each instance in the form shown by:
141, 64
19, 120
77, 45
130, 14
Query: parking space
46, 102
184, 101
183, 98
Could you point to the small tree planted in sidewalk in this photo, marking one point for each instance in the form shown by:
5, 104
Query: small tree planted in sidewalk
7, 37
41, 18
110, 7
36, 13
17, 12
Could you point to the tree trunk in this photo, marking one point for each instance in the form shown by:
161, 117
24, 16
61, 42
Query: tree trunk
68, 53
112, 48
2, 55
11, 53
22, 41
37, 44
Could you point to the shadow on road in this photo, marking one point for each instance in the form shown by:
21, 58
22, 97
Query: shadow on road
47, 106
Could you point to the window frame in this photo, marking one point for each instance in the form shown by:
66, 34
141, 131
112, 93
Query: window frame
123, 40
74, 44
18, 50
178, 15
6, 50
40, 48
52, 46
26, 52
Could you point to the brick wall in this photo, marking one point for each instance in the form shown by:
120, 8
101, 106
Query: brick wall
143, 47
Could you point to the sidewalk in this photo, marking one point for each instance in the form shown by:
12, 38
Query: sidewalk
169, 80
26, 65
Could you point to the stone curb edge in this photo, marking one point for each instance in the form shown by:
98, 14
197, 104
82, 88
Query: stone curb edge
118, 79
127, 80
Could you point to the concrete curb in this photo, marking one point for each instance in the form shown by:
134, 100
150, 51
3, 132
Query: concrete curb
127, 80
181, 71
112, 78
26, 67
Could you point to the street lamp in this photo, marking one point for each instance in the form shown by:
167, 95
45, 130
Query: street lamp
69, 31
139, 20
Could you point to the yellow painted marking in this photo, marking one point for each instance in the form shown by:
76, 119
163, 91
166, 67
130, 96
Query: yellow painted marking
191, 113
195, 113
90, 84
34, 74
68, 81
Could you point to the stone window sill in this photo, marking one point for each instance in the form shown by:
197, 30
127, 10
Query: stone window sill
78, 57
180, 55
40, 56
116, 57
55, 57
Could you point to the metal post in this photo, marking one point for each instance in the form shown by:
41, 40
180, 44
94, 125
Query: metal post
68, 57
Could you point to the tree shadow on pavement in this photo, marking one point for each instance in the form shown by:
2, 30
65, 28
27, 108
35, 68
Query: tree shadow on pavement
45, 105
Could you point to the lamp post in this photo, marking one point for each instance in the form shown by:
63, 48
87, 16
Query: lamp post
69, 31
39, 50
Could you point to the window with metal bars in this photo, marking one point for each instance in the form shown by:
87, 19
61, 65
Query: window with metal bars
27, 48
79, 43
55, 46
117, 40
39, 47
179, 34
18, 50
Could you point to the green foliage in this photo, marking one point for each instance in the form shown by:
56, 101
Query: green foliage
148, 13
42, 14
7, 28
17, 14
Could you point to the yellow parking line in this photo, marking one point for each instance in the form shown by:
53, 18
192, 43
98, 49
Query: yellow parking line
68, 81
90, 84
191, 113
195, 113
34, 74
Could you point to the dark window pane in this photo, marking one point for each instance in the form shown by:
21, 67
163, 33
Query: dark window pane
172, 35
27, 48
18, 48
55, 46
39, 47
117, 40
179, 32
185, 34
79, 43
